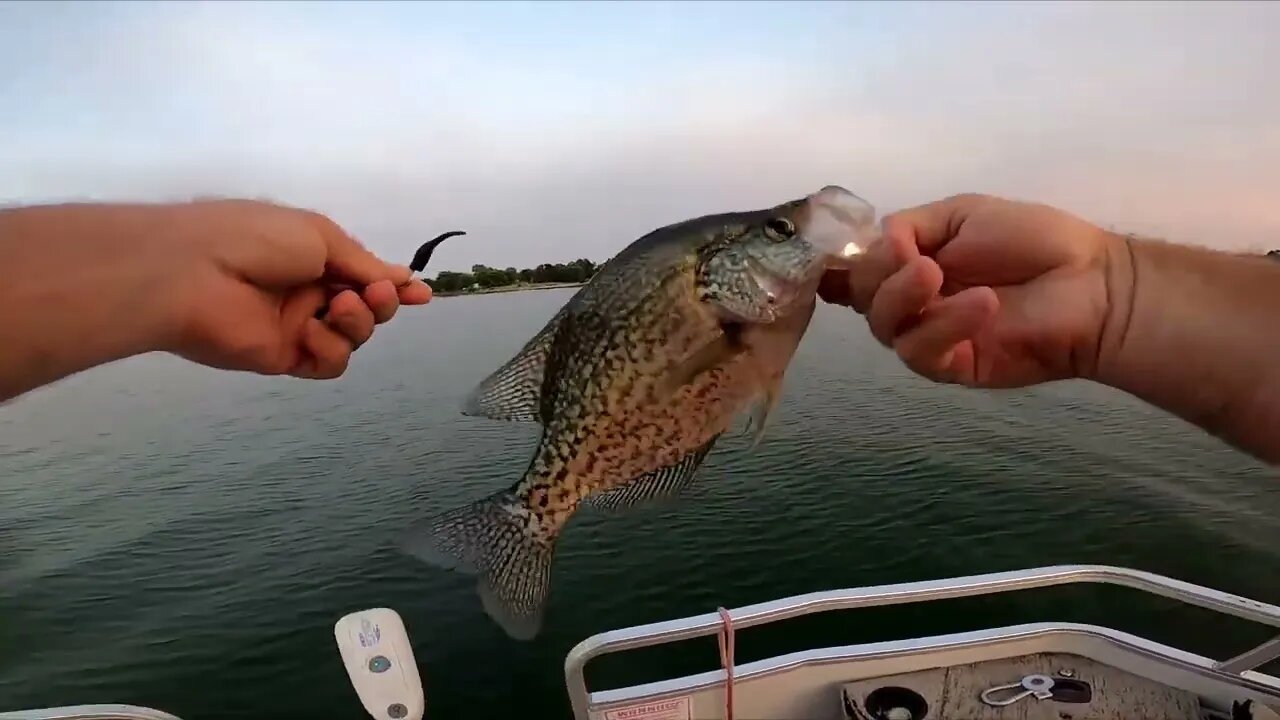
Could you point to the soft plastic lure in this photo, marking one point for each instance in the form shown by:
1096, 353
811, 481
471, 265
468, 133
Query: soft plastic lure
421, 257
419, 262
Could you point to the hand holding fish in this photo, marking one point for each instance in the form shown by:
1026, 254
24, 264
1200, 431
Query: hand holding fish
992, 293
984, 292
230, 284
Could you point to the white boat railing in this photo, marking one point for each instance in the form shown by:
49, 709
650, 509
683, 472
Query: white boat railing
90, 712
711, 623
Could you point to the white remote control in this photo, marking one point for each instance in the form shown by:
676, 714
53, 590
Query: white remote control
376, 652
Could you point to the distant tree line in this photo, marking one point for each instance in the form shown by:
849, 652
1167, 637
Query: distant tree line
485, 277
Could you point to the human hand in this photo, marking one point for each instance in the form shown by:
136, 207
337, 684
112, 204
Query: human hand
251, 278
984, 291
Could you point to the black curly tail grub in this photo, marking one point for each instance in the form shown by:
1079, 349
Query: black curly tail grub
418, 263
421, 257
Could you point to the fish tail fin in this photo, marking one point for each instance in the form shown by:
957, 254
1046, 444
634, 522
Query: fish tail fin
502, 541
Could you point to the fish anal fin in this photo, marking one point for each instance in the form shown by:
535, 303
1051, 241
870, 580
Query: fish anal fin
499, 540
663, 483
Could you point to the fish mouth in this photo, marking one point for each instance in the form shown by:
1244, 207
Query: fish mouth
839, 224
780, 292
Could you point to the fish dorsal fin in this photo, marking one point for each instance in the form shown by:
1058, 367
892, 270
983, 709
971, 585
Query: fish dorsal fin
665, 482
514, 391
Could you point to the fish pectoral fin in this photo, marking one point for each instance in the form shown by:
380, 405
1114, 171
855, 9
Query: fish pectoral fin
514, 391
718, 351
496, 539
758, 421
666, 482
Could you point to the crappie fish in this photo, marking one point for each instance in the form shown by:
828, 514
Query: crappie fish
636, 377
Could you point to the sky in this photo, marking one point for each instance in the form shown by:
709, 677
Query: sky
552, 131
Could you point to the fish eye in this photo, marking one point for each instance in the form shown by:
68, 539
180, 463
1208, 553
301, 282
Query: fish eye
780, 228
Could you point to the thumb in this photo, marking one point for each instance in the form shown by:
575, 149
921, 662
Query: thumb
347, 259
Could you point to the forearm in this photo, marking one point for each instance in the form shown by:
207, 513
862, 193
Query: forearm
1197, 333
77, 291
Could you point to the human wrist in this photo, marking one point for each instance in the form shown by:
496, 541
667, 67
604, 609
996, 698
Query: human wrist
1152, 324
1121, 283
150, 287
1189, 337
1148, 322
137, 263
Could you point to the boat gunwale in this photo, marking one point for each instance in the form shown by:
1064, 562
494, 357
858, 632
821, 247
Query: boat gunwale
1261, 683
111, 711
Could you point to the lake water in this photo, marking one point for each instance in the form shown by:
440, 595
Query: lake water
185, 539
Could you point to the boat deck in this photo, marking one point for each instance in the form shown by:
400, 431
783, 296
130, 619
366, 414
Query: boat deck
956, 692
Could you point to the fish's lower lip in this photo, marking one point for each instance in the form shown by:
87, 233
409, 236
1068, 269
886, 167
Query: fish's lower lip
774, 287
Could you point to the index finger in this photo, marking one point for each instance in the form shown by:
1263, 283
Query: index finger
347, 259
932, 225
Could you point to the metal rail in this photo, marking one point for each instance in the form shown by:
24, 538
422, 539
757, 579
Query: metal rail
90, 712
923, 591
1250, 659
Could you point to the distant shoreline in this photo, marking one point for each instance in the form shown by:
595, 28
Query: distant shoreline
509, 288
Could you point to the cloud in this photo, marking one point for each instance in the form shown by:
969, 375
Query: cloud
550, 135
